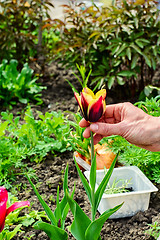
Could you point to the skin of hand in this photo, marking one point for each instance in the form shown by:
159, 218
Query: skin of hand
128, 121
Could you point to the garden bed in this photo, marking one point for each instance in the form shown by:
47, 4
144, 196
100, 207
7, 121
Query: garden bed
50, 172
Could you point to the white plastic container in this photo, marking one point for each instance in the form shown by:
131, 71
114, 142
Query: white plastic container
135, 201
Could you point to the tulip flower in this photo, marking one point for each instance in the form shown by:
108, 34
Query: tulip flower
4, 211
92, 105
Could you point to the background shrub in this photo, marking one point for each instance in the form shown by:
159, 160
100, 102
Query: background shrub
21, 25
121, 44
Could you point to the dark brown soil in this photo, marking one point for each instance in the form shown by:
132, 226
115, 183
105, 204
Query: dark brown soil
50, 172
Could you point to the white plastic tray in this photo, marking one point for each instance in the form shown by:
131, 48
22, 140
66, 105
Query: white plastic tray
135, 201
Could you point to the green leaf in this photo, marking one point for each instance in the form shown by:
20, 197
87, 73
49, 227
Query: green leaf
128, 52
126, 73
44, 205
3, 128
65, 182
94, 229
84, 182
71, 85
139, 43
11, 234
53, 232
111, 81
135, 47
120, 80
81, 220
124, 45
134, 61
100, 190
147, 59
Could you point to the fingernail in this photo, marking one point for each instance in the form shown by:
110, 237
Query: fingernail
94, 127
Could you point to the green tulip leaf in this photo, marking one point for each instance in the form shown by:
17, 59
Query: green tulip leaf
84, 182
43, 203
53, 232
100, 190
81, 220
94, 229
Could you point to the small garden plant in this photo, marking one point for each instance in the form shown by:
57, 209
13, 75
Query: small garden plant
18, 85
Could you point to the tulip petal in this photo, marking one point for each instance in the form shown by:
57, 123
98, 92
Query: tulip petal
102, 93
88, 91
95, 110
78, 98
3, 206
85, 101
17, 205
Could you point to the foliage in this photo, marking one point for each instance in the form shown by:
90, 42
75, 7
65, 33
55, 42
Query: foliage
32, 139
49, 38
91, 228
18, 85
7, 235
150, 106
55, 230
120, 44
118, 186
154, 230
76, 139
130, 154
18, 218
20, 24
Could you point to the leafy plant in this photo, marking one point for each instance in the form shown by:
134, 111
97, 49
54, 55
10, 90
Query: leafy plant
154, 230
76, 139
18, 218
55, 230
7, 235
91, 228
149, 92
120, 44
118, 186
32, 139
150, 106
18, 85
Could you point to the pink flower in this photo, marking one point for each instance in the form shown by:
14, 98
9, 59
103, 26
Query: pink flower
92, 105
4, 211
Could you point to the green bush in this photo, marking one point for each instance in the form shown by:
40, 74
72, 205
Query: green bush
18, 85
21, 24
121, 44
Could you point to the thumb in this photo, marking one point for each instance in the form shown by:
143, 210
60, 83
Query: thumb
106, 129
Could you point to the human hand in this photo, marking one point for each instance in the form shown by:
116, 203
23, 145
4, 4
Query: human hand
128, 121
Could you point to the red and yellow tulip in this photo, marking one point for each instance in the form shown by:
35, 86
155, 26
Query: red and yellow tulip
92, 105
4, 211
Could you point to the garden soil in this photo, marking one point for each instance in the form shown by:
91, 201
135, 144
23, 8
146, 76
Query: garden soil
50, 172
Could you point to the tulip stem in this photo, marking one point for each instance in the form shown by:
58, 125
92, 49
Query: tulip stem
92, 148
92, 189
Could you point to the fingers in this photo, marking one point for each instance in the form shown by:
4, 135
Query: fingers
103, 130
83, 123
